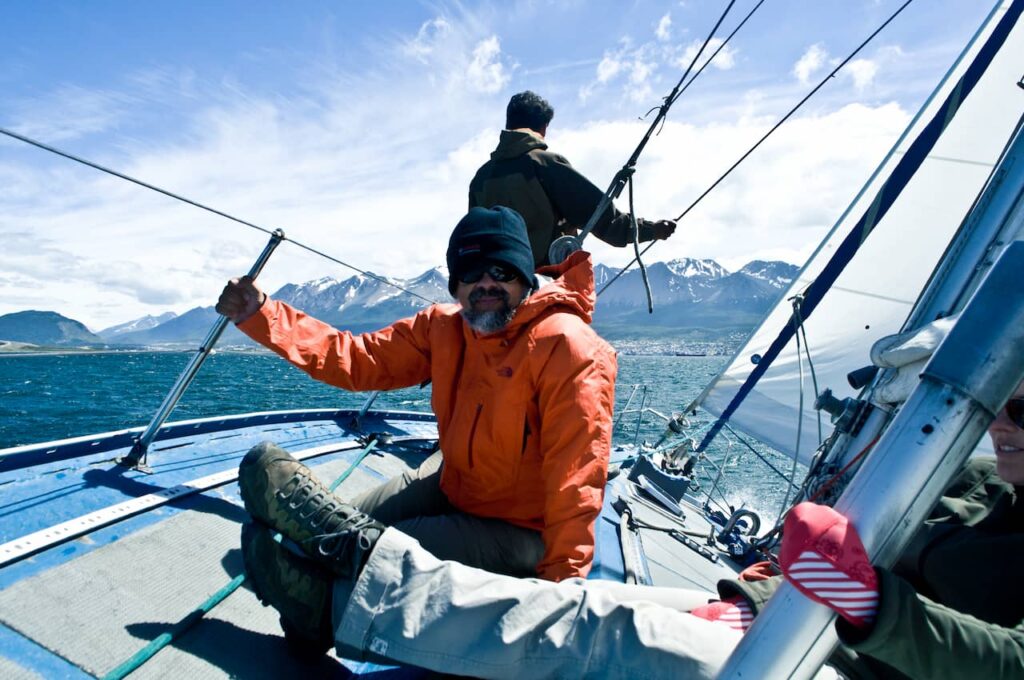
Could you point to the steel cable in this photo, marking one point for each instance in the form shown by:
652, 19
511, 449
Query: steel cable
183, 199
775, 127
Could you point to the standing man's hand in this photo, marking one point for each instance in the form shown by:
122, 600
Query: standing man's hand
240, 299
662, 229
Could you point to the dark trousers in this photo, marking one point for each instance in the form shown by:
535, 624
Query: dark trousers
414, 503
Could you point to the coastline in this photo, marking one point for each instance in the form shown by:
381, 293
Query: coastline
68, 351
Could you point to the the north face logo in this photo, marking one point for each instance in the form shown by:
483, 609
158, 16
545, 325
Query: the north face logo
472, 249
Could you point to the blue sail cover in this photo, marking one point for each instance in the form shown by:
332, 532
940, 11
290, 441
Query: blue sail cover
898, 227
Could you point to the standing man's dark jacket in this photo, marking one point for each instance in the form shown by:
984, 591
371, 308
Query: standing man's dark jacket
953, 606
550, 194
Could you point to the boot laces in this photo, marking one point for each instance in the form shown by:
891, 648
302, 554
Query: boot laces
310, 502
333, 544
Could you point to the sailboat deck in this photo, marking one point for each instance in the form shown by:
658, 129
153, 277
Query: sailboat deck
94, 583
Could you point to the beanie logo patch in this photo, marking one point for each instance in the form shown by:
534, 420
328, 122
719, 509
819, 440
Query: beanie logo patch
473, 249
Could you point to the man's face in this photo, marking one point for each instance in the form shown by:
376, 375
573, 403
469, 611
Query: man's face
488, 304
1008, 441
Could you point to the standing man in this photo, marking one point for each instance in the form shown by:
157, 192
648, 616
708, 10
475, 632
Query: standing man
523, 391
550, 194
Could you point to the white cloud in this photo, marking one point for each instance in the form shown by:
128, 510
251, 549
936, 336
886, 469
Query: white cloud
638, 69
723, 61
372, 167
486, 73
664, 30
863, 72
637, 66
70, 112
810, 63
455, 56
814, 165
430, 35
608, 68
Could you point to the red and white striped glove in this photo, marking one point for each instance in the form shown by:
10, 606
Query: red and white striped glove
823, 556
734, 612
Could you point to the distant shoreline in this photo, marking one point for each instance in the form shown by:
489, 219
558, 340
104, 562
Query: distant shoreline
21, 352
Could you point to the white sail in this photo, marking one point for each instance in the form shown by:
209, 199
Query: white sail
874, 294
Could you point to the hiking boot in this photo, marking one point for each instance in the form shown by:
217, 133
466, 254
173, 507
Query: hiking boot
298, 588
284, 494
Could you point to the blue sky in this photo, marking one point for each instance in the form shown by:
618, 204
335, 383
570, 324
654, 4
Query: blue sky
356, 127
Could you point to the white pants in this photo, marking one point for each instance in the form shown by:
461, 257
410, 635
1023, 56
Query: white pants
409, 607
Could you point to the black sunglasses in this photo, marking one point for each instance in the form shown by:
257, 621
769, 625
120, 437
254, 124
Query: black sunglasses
496, 271
1015, 410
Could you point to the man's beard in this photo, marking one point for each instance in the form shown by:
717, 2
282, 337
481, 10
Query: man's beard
492, 320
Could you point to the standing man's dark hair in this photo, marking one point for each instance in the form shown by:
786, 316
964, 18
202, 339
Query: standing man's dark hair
528, 110
551, 196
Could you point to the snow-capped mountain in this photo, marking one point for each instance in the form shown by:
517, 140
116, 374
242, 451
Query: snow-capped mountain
688, 294
365, 301
142, 324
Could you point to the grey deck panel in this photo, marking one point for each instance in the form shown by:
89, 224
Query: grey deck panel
673, 564
99, 609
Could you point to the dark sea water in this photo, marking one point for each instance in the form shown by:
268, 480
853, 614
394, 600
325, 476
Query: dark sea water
46, 397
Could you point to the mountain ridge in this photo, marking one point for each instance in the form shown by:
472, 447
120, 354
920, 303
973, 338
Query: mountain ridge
689, 294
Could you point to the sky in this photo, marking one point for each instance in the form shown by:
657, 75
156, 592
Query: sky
355, 127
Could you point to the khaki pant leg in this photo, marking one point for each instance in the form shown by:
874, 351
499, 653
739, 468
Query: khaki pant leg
480, 542
410, 494
414, 503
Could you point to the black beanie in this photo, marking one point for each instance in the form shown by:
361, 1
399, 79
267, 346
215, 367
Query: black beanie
495, 234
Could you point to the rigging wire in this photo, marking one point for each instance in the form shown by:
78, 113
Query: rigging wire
618, 182
183, 199
719, 49
799, 417
797, 304
636, 249
766, 135
757, 453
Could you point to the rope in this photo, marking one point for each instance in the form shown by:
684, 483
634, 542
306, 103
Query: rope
834, 478
201, 206
799, 412
766, 135
636, 249
807, 352
134, 662
778, 523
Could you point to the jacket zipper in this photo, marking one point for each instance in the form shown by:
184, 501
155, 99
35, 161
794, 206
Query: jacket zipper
472, 432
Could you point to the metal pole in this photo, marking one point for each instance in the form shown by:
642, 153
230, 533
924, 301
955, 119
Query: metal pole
626, 407
357, 421
141, 446
640, 415
971, 375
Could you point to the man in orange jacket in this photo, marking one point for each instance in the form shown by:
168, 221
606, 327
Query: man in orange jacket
522, 388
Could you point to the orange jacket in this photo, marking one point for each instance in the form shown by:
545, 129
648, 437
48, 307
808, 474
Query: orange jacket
524, 415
